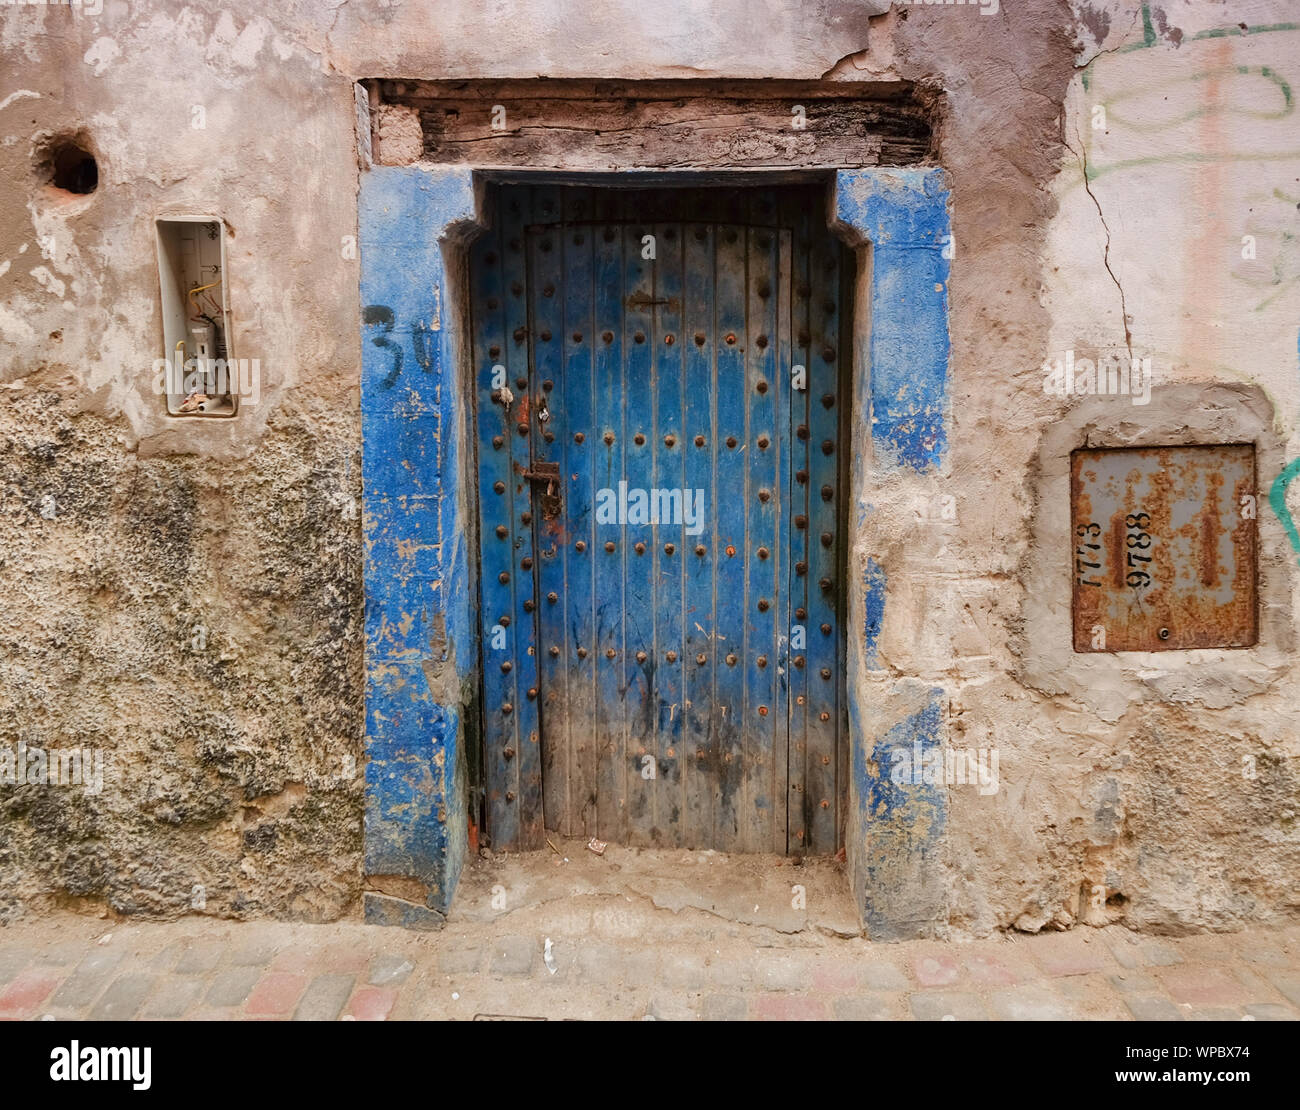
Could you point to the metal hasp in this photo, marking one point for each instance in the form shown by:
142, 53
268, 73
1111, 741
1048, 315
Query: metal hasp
1164, 548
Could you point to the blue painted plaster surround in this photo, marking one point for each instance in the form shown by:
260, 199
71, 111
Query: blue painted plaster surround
421, 649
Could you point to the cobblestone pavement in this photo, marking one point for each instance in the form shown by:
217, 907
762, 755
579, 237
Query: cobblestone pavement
629, 940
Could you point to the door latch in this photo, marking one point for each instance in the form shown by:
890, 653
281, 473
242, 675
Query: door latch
548, 473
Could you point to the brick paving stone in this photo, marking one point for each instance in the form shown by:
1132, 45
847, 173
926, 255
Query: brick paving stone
936, 969
27, 990
790, 1007
276, 992
85, 984
230, 988
984, 968
730, 972
1288, 982
862, 1007
64, 954
324, 997
1265, 956
1261, 990
389, 969
884, 976
199, 959
783, 971
460, 961
723, 1007
948, 1006
834, 977
1272, 1011
173, 998
1212, 1013
296, 960
372, 1004
670, 1008
1069, 954
252, 955
1151, 1008
1032, 1003
1212, 986
122, 1000
513, 956
1128, 982
1143, 953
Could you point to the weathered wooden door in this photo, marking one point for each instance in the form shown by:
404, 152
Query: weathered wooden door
660, 418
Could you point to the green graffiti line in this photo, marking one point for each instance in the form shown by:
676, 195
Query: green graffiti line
1277, 499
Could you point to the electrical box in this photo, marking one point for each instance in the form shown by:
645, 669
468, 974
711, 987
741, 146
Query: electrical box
197, 372
1164, 548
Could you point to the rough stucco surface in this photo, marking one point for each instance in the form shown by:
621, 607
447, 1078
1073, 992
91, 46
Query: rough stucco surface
235, 767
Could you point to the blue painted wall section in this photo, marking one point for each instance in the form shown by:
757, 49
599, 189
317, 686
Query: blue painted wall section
894, 831
419, 650
904, 215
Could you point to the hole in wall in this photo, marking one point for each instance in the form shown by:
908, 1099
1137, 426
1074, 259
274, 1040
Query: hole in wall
66, 163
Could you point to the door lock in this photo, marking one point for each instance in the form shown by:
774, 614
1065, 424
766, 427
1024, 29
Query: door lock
549, 474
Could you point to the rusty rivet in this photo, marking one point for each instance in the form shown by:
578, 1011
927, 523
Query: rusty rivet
826, 672
763, 552
699, 339
548, 385
699, 753
731, 660
522, 428
609, 653
762, 710
731, 339
638, 439
825, 804
639, 337
671, 657
825, 584
552, 597
798, 661
609, 545
532, 693
801, 476
639, 549
826, 630
761, 340
765, 495
609, 438
554, 651
762, 605
828, 353
504, 622
827, 493
607, 336
526, 563
520, 335
761, 387
828, 447
701, 659
699, 549
800, 613
506, 667
580, 546
668, 340
801, 568
497, 441
529, 605
762, 661
640, 656
526, 518
503, 577
670, 441
1163, 633
669, 549
730, 551
510, 795
827, 539
577, 337
731, 441
502, 531
762, 443
582, 653
549, 437
578, 437
507, 709
522, 383
494, 350
801, 521
499, 487
799, 701
825, 717
802, 431
699, 441
546, 335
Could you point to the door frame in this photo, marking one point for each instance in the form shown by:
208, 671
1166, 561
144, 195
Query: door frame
422, 631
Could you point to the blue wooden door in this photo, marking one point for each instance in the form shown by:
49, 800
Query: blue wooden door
659, 421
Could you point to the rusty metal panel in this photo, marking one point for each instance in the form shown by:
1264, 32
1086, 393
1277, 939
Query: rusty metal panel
1164, 548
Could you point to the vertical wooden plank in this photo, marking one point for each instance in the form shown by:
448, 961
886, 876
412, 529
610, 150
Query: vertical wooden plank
609, 600
732, 495
825, 588
789, 536
760, 656
699, 343
639, 437
673, 543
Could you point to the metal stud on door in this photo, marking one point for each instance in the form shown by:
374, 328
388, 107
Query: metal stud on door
668, 522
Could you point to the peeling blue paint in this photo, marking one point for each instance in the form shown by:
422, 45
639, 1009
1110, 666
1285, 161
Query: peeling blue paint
873, 584
418, 647
904, 215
